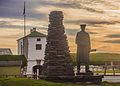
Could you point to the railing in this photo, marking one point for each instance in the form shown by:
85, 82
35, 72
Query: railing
112, 65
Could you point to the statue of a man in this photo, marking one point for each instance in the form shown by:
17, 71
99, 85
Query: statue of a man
83, 48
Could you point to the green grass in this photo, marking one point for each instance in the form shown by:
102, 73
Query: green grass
110, 84
99, 58
30, 82
9, 70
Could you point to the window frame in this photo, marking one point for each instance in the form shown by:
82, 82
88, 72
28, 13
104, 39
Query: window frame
38, 39
38, 46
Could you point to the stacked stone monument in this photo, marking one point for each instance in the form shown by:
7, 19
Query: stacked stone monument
57, 58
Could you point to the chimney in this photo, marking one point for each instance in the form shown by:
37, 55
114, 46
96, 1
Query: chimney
32, 30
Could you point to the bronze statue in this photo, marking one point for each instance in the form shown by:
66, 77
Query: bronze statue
83, 49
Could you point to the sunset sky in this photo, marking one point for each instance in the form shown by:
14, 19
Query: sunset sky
101, 16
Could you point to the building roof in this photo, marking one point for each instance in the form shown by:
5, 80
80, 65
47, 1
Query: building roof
5, 51
10, 63
34, 34
13, 58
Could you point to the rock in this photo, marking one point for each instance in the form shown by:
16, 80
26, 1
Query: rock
57, 57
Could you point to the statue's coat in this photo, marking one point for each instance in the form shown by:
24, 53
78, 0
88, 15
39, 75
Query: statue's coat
83, 47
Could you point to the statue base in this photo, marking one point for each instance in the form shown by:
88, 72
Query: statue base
94, 79
86, 73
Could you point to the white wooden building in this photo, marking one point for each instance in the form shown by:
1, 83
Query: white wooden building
32, 47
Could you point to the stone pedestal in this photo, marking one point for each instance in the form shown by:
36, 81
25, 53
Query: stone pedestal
93, 79
86, 73
57, 57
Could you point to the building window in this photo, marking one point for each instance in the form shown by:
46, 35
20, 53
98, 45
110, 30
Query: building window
38, 39
38, 46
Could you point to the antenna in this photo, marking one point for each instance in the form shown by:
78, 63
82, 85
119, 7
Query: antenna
24, 14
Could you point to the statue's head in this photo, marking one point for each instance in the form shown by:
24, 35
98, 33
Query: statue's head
83, 26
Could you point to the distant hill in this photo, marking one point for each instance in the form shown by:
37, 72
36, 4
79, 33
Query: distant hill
99, 58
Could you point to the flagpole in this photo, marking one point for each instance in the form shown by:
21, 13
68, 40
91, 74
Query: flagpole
24, 13
24, 25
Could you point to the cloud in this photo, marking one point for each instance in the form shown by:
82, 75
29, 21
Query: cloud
75, 5
71, 32
94, 3
3, 23
14, 9
21, 27
10, 36
10, 8
91, 22
113, 36
18, 23
96, 13
93, 32
113, 41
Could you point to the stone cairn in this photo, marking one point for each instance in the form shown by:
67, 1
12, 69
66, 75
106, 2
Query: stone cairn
57, 56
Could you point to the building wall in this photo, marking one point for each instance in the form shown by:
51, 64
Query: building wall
25, 47
20, 42
30, 65
34, 54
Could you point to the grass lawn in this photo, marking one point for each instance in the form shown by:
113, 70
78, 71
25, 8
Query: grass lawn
30, 82
110, 84
99, 58
9, 70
